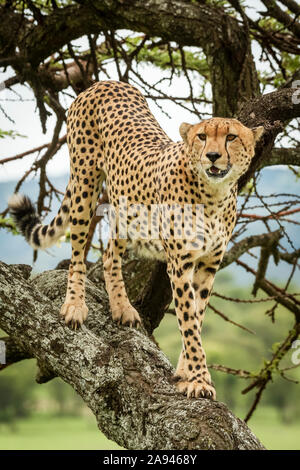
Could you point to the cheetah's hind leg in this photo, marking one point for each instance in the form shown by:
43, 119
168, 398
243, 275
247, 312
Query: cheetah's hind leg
122, 310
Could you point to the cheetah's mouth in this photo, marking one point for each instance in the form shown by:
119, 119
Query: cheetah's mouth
215, 172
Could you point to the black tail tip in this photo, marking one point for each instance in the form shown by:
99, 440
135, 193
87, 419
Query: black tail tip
20, 205
23, 213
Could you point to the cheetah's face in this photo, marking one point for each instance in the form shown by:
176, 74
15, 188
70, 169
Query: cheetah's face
220, 149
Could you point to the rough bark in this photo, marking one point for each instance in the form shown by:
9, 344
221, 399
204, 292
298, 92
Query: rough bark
120, 373
13, 352
283, 156
174, 20
272, 111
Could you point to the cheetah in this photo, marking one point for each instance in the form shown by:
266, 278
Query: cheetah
112, 135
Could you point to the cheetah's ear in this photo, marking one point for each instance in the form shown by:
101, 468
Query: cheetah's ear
183, 130
257, 132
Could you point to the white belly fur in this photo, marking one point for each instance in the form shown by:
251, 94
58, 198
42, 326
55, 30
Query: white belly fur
151, 249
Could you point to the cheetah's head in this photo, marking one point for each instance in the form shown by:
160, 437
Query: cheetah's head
220, 149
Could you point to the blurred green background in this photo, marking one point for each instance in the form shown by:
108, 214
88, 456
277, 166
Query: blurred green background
52, 416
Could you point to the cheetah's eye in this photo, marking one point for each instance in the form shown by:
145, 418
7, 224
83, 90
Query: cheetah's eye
231, 137
202, 136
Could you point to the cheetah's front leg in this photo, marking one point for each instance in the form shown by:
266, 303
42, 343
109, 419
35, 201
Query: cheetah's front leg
74, 309
192, 376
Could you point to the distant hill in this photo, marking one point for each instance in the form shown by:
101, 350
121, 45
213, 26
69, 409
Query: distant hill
14, 249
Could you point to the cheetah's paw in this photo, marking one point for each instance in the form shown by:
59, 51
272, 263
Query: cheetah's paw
74, 313
127, 316
196, 389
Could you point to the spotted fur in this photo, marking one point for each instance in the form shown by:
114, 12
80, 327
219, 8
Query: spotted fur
112, 134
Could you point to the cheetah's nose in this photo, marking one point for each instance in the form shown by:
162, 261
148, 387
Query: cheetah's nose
213, 156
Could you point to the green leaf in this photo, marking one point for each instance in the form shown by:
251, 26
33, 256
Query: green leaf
11, 134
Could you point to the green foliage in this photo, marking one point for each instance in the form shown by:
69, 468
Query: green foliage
9, 224
11, 134
46, 99
44, 6
16, 393
269, 23
217, 3
64, 400
47, 432
158, 55
163, 58
289, 62
248, 188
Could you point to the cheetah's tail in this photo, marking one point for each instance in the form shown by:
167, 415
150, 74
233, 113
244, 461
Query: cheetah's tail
39, 236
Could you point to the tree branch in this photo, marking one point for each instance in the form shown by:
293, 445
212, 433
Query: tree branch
292, 5
13, 352
272, 110
272, 290
282, 156
276, 12
246, 244
60, 142
119, 372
